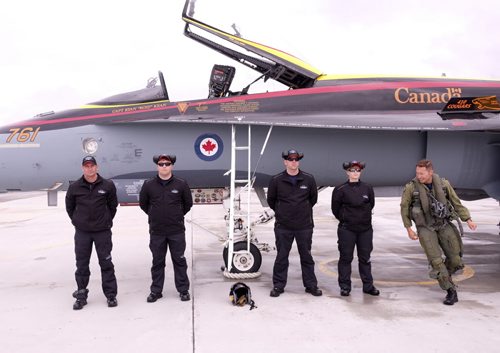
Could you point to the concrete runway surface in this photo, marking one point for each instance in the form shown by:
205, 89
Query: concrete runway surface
37, 279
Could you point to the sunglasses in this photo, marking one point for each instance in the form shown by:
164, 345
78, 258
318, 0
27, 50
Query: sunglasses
292, 159
166, 164
354, 170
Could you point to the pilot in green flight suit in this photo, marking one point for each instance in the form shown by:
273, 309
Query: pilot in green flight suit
431, 203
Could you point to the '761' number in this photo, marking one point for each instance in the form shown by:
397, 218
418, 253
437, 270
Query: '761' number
23, 135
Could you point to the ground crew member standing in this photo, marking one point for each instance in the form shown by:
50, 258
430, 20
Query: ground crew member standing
292, 195
352, 205
91, 205
166, 199
431, 203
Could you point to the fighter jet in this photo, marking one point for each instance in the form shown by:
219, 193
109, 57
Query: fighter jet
388, 122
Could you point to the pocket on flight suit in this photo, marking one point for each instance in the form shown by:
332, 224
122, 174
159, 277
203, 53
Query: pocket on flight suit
418, 216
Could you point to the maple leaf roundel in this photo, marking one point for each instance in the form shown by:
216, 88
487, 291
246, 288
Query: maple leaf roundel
208, 147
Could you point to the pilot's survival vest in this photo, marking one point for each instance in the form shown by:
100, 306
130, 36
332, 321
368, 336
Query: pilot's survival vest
433, 212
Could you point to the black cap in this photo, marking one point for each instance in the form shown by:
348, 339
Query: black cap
169, 157
347, 165
90, 159
292, 153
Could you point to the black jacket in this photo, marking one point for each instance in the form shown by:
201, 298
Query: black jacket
166, 204
292, 204
352, 205
92, 207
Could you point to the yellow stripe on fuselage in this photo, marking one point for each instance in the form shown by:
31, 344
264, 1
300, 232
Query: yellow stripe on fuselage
378, 76
95, 106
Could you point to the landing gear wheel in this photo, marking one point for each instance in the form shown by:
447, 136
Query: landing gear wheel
244, 263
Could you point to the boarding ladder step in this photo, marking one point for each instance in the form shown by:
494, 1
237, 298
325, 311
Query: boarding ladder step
232, 204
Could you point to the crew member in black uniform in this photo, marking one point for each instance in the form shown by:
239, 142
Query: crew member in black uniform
292, 195
352, 204
91, 204
166, 199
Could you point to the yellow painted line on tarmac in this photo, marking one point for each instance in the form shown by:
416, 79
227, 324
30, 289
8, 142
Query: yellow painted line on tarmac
468, 272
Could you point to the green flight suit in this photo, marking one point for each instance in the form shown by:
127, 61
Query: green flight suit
436, 236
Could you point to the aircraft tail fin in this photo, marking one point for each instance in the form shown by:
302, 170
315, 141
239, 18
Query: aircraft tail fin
470, 108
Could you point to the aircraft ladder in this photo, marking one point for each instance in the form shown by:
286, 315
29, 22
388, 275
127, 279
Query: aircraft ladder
246, 183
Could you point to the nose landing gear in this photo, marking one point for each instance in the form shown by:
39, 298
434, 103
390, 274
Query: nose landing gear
244, 261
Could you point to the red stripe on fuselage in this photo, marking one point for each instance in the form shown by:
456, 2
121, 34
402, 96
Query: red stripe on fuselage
376, 86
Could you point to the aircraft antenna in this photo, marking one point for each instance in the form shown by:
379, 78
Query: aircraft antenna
236, 31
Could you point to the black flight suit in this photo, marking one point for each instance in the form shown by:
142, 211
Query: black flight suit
352, 205
166, 202
92, 207
292, 199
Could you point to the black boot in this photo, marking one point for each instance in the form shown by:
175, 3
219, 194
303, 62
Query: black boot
275, 292
112, 302
451, 297
79, 304
81, 298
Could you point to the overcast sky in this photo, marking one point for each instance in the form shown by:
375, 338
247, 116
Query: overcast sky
59, 54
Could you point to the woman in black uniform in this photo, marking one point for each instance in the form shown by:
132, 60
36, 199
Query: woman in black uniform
352, 204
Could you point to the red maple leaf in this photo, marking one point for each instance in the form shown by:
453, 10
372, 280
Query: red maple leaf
209, 146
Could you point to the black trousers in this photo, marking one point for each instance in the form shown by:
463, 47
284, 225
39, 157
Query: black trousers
363, 241
158, 244
284, 241
83, 252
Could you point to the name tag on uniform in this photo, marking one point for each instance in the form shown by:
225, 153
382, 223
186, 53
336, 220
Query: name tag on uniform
303, 186
101, 191
175, 191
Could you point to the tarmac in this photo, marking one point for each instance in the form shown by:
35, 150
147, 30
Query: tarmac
37, 279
